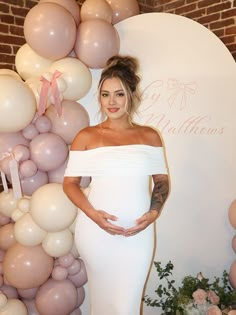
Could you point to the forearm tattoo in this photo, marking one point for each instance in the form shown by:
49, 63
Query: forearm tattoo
159, 193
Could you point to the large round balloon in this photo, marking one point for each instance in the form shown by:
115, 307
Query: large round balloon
8, 203
27, 232
232, 214
17, 104
9, 140
77, 76
7, 236
96, 9
96, 41
27, 267
74, 118
71, 5
29, 63
123, 9
232, 274
58, 243
14, 306
11, 73
48, 151
51, 209
50, 30
32, 183
56, 297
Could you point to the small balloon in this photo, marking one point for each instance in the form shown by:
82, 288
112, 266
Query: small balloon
123, 9
28, 168
43, 124
7, 236
96, 9
232, 214
58, 243
59, 273
30, 184
232, 274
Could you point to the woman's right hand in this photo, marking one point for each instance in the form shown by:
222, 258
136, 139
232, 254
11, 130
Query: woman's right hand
102, 219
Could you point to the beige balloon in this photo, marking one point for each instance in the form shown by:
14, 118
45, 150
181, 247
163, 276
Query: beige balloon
58, 244
123, 9
76, 75
8, 203
232, 214
29, 63
7, 237
10, 72
16, 214
14, 306
96, 9
3, 300
27, 232
51, 209
24, 204
17, 104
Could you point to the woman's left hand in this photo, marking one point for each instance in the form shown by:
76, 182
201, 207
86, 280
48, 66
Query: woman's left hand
142, 223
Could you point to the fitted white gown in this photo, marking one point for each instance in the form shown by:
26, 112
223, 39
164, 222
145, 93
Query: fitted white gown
117, 266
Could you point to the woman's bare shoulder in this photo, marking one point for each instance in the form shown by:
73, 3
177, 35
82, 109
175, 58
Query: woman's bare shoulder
151, 136
83, 137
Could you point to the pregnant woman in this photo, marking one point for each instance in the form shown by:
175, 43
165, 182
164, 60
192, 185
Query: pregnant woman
114, 231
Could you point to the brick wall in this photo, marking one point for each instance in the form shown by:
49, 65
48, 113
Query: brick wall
217, 15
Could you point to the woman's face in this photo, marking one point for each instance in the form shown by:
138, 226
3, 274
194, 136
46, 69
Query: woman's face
113, 98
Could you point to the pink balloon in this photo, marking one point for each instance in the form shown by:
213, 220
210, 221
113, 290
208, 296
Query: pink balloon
28, 168
81, 296
66, 260
50, 30
43, 124
27, 267
9, 291
232, 274
28, 294
96, 41
48, 151
75, 267
59, 273
234, 243
96, 9
71, 5
31, 308
74, 118
80, 278
30, 131
57, 175
123, 9
7, 237
8, 141
56, 297
4, 220
30, 184
2, 253
21, 152
232, 214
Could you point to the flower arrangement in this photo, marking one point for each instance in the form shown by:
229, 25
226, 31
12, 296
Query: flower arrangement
196, 295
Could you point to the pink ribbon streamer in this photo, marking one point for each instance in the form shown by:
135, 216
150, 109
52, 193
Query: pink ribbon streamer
46, 86
15, 179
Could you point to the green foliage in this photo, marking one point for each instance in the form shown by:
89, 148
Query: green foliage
173, 300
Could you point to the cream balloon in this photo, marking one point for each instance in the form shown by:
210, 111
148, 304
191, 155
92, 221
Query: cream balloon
8, 203
10, 72
14, 306
16, 215
29, 63
76, 75
24, 204
58, 244
27, 232
34, 84
96, 9
3, 300
51, 209
17, 104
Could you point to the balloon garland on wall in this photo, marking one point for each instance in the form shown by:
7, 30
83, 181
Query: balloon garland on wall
40, 269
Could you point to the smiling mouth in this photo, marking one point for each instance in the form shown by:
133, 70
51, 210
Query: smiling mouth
113, 110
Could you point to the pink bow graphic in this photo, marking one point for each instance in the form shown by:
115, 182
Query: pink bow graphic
46, 85
181, 90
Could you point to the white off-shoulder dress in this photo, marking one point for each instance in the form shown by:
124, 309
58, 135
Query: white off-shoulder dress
117, 266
